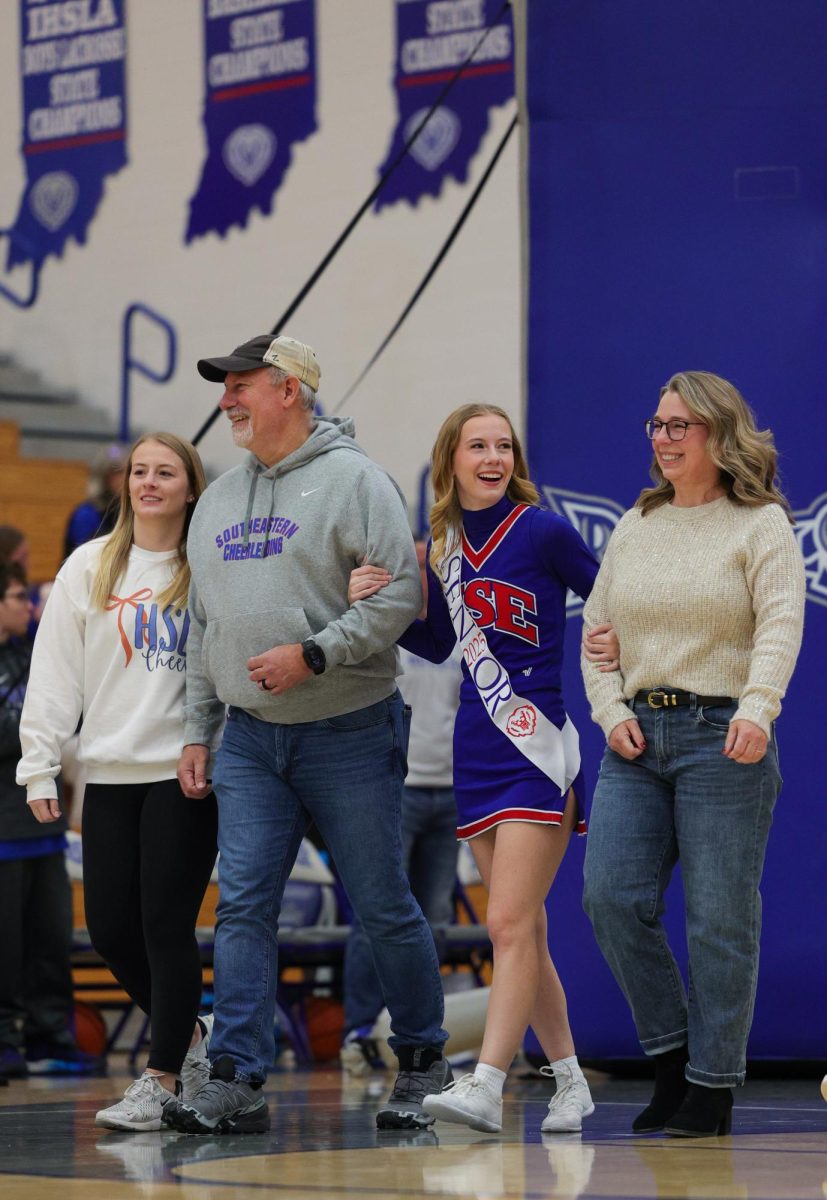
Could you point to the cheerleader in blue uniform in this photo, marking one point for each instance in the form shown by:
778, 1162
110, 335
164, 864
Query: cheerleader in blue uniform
499, 569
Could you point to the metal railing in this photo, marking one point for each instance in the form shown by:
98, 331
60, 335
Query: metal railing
17, 239
130, 364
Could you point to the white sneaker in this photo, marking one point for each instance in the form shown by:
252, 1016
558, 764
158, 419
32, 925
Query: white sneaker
195, 1070
467, 1102
570, 1103
141, 1108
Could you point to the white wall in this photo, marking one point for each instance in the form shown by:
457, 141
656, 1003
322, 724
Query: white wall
461, 343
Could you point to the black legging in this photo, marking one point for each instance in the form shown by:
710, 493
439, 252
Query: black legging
147, 856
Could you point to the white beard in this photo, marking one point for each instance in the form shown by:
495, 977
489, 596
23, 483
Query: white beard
242, 432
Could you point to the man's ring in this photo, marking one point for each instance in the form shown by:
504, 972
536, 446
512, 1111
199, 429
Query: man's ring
265, 685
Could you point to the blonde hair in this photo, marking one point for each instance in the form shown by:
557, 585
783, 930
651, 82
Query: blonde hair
115, 553
744, 455
446, 511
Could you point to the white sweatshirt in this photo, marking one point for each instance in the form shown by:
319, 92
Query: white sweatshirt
432, 690
121, 668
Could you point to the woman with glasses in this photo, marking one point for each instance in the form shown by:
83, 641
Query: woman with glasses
704, 584
111, 649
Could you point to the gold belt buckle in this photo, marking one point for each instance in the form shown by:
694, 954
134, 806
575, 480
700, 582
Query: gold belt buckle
661, 699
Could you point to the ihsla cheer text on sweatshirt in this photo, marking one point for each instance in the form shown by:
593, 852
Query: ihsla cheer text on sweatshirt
121, 667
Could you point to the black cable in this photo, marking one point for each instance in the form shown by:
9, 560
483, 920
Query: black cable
446, 246
207, 426
356, 218
383, 179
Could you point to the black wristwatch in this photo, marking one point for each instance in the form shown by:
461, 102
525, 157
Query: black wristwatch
313, 655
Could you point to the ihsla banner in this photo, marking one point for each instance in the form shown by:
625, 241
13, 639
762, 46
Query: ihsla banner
260, 73
433, 39
72, 65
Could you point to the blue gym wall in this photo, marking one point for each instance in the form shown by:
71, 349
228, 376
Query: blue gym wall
677, 219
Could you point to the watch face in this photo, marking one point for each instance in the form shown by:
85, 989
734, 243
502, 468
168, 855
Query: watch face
314, 657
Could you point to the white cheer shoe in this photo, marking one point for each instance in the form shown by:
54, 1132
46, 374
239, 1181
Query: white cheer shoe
467, 1102
570, 1103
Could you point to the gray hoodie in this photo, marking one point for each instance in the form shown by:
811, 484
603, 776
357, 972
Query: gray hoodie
271, 551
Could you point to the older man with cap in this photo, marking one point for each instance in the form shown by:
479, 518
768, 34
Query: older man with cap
316, 729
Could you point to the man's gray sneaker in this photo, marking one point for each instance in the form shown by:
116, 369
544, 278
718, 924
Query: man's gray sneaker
195, 1070
223, 1104
403, 1108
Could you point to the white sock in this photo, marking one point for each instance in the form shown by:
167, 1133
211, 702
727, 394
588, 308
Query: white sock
569, 1065
492, 1077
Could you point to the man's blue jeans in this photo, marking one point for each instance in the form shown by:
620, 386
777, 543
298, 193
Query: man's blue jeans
682, 799
429, 857
345, 773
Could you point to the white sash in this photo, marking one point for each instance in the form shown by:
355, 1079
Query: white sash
555, 751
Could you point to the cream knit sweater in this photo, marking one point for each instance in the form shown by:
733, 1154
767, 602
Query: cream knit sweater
707, 599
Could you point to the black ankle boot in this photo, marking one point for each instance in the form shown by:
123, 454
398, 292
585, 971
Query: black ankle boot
705, 1112
670, 1089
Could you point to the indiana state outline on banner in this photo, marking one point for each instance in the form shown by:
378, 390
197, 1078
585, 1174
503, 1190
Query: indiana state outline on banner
433, 39
594, 518
260, 100
73, 68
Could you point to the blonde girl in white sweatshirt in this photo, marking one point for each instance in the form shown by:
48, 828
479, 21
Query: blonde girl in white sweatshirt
111, 652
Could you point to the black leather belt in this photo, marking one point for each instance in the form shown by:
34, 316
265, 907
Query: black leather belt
674, 698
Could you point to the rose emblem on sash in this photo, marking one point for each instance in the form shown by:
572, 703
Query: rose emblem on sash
523, 721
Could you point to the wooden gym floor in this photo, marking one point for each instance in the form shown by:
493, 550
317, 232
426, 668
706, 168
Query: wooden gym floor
324, 1146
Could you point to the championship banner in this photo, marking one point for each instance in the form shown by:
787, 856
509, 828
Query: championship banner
433, 39
260, 73
72, 64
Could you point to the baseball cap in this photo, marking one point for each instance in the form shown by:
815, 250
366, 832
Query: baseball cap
283, 352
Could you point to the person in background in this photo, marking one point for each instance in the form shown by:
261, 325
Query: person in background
429, 840
704, 583
96, 515
36, 996
112, 649
14, 547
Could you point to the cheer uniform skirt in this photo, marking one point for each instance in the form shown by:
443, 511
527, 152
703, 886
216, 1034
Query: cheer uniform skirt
495, 783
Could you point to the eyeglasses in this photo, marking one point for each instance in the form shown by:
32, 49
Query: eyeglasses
675, 430
21, 595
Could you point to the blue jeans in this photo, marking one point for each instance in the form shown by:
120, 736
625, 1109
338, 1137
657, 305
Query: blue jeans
345, 773
682, 799
429, 857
